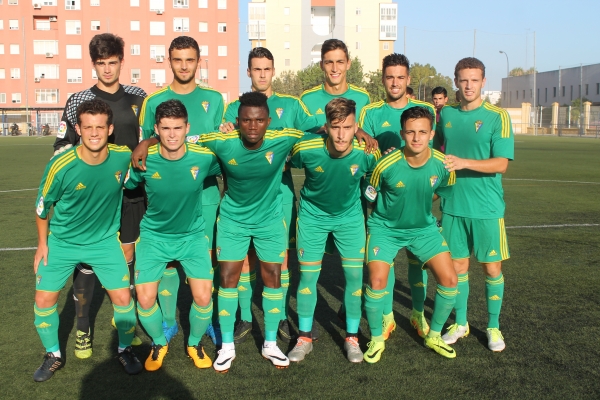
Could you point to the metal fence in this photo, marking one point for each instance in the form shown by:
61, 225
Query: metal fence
571, 121
29, 123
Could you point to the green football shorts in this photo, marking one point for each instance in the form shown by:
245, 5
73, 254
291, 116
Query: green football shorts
209, 212
486, 238
105, 257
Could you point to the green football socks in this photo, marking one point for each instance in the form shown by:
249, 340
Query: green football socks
200, 317
272, 304
460, 308
167, 295
307, 295
494, 293
228, 304
46, 322
417, 279
245, 290
374, 309
285, 284
151, 319
445, 298
125, 321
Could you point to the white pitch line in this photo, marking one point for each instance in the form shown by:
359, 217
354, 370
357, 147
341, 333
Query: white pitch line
549, 226
16, 190
552, 180
18, 248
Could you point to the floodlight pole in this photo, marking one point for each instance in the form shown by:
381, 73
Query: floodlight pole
507, 76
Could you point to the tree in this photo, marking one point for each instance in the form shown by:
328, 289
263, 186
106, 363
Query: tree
288, 82
374, 86
421, 73
518, 71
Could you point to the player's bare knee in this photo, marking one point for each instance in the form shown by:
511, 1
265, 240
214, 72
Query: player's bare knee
45, 299
378, 282
492, 270
145, 296
120, 297
461, 265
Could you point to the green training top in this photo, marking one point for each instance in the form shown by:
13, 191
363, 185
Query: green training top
173, 187
382, 121
403, 194
285, 112
479, 134
205, 114
332, 185
317, 98
253, 194
86, 198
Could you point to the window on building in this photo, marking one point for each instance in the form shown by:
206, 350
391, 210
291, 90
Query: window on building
13, 24
74, 51
46, 96
74, 75
531, 93
587, 89
222, 4
42, 24
225, 97
563, 91
135, 49
95, 25
286, 28
203, 27
16, 97
221, 27
73, 27
134, 3
597, 88
1, 49
181, 3
286, 45
72, 4
386, 46
2, 98
157, 28
203, 74
2, 73
157, 76
136, 73
579, 91
545, 95
222, 51
47, 2
204, 50
181, 24
554, 92
46, 71
1, 24
222, 73
523, 94
134, 25
388, 32
15, 73
287, 62
157, 50
157, 5
517, 92
571, 92
358, 12
95, 3
14, 49
357, 45
13, 2
202, 3
45, 47
358, 29
286, 11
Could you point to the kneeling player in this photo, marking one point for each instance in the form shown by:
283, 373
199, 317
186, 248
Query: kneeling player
85, 186
404, 184
173, 229
330, 203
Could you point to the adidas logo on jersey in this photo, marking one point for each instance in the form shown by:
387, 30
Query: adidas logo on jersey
165, 292
319, 169
274, 311
495, 297
232, 162
493, 253
449, 124
156, 175
400, 184
305, 291
357, 293
224, 313
319, 111
80, 186
385, 124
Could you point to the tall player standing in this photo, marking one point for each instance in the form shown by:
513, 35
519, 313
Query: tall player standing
479, 143
107, 52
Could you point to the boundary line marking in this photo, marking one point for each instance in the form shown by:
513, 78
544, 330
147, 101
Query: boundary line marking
551, 180
16, 190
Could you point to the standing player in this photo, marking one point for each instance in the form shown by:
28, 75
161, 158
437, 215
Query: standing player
173, 229
84, 185
106, 52
330, 204
404, 184
205, 108
439, 96
382, 120
479, 143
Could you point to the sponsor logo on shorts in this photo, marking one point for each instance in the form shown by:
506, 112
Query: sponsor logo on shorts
274, 310
269, 157
376, 250
125, 278
137, 274
495, 297
371, 193
301, 252
62, 129
362, 251
353, 169
319, 169
118, 176
232, 162
279, 112
449, 124
205, 105
194, 170
38, 279
156, 175
218, 250
80, 186
385, 124
192, 139
478, 125
493, 253
319, 111
134, 108
305, 291
444, 243
40, 206
224, 313
433, 180
282, 254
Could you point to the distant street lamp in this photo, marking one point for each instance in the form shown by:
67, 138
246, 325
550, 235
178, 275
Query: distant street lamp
419, 89
507, 77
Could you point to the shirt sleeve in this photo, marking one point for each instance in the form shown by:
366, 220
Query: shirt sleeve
66, 129
146, 121
503, 140
219, 114
296, 159
364, 122
372, 182
447, 184
133, 178
211, 140
231, 112
50, 191
215, 167
303, 120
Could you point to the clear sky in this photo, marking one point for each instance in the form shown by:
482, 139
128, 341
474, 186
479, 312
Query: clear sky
442, 32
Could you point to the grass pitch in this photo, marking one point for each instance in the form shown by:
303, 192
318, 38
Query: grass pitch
549, 318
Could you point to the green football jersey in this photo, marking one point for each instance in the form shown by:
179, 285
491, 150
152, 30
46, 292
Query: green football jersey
403, 194
285, 112
382, 121
332, 185
253, 193
479, 134
86, 198
317, 98
173, 188
205, 114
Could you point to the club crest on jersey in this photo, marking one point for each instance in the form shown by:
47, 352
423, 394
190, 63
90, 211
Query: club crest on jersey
279, 112
62, 129
194, 170
192, 139
269, 157
135, 109
205, 105
118, 176
38, 280
40, 207
301, 252
433, 180
126, 177
218, 251
353, 169
478, 125
375, 250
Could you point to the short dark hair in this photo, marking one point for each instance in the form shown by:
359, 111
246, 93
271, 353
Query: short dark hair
260, 52
439, 90
184, 42
253, 99
106, 45
334, 44
339, 109
416, 113
170, 109
469, 62
395, 59
94, 107
409, 90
